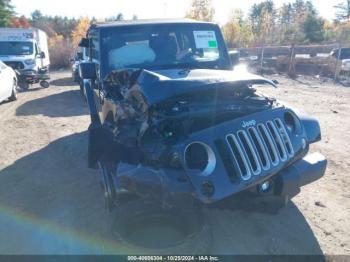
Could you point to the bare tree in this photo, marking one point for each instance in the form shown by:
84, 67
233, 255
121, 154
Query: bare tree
201, 10
343, 11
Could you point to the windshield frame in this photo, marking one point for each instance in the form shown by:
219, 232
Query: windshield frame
223, 63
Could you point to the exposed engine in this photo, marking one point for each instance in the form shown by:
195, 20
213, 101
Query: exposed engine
154, 125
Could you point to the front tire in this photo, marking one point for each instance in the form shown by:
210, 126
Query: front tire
44, 84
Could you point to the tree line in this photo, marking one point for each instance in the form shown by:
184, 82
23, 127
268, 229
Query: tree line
296, 22
64, 34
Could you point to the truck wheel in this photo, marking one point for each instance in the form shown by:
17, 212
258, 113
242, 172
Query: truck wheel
144, 227
44, 84
13, 96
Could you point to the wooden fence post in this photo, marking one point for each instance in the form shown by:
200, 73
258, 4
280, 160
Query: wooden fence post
262, 57
337, 62
291, 65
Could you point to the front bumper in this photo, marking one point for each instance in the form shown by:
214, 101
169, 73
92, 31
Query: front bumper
33, 76
244, 153
303, 172
167, 184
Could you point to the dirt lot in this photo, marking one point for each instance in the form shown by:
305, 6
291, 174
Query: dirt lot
51, 203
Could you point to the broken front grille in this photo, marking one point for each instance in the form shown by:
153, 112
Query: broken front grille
257, 148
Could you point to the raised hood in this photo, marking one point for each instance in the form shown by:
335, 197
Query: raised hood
157, 86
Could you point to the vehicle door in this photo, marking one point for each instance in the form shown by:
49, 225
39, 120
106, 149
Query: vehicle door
38, 58
97, 87
5, 85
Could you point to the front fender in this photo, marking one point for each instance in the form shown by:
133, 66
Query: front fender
95, 118
310, 124
312, 128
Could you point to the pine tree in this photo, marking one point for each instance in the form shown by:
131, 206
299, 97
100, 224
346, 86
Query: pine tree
262, 17
119, 17
313, 28
6, 12
284, 21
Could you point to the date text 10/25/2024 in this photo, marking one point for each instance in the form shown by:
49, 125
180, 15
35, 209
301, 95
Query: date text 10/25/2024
173, 258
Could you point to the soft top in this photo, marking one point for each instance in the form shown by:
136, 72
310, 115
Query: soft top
148, 22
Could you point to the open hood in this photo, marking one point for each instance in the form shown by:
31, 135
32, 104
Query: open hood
157, 86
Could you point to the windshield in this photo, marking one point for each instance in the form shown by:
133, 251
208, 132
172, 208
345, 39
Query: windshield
164, 46
16, 48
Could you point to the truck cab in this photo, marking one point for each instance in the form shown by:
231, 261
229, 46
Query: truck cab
162, 44
26, 51
340, 60
79, 57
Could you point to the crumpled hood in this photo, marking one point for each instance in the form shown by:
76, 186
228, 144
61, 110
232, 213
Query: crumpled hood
157, 86
160, 85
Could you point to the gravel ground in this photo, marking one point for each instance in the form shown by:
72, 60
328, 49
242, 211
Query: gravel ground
51, 203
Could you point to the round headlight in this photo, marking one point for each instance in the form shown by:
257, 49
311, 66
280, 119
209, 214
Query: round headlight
292, 122
200, 157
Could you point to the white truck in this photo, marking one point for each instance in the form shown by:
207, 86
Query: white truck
26, 51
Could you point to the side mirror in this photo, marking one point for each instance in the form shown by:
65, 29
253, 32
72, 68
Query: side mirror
87, 70
41, 55
79, 56
234, 56
85, 43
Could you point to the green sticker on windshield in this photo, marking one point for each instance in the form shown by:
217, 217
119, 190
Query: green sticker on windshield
213, 44
205, 39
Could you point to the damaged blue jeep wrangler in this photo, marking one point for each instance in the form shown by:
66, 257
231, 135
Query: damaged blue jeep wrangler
171, 120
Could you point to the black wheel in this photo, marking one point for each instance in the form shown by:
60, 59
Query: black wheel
113, 199
13, 96
108, 187
44, 84
144, 227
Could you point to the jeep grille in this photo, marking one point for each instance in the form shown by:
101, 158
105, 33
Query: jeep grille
257, 148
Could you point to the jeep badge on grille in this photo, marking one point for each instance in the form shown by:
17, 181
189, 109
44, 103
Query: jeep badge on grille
248, 123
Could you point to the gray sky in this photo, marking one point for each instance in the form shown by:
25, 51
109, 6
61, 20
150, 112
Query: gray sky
147, 8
